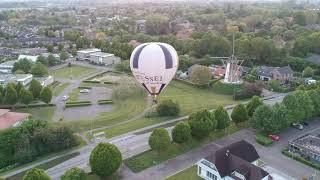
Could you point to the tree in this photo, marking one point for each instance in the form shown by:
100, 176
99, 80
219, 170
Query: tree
184, 62
1, 98
42, 60
64, 55
105, 159
11, 95
18, 88
314, 96
168, 108
181, 132
157, 24
261, 119
50, 48
222, 117
39, 70
35, 88
239, 114
299, 18
308, 72
74, 52
295, 109
26, 96
23, 64
74, 174
253, 104
52, 60
46, 95
200, 74
123, 66
159, 139
201, 123
36, 174
305, 103
60, 47
280, 116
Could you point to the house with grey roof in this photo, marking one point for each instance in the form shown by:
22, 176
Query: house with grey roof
237, 161
283, 74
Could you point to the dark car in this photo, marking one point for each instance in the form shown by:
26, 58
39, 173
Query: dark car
305, 123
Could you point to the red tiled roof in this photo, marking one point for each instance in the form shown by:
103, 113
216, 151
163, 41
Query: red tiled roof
8, 119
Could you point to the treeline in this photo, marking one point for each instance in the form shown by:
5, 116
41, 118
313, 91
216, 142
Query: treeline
17, 93
33, 138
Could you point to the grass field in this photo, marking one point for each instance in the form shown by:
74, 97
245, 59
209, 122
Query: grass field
41, 113
187, 174
150, 158
59, 89
74, 94
192, 99
73, 71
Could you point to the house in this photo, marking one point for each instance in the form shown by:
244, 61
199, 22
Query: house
46, 55
102, 58
30, 58
24, 79
45, 81
237, 161
307, 146
283, 74
85, 53
6, 67
11, 119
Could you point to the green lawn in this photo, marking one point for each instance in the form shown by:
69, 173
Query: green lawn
74, 94
42, 113
57, 90
151, 158
73, 71
192, 98
95, 177
187, 174
122, 110
46, 165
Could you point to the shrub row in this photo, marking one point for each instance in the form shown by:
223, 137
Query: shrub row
105, 101
77, 102
263, 140
18, 106
191, 83
108, 82
55, 84
300, 159
91, 81
76, 105
84, 87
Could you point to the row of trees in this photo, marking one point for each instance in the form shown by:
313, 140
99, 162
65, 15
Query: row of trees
24, 66
33, 138
295, 108
14, 93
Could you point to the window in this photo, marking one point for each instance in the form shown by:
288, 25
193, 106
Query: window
211, 176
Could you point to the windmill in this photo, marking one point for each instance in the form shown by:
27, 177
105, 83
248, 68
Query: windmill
233, 67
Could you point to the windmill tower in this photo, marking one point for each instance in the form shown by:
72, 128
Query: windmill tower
233, 67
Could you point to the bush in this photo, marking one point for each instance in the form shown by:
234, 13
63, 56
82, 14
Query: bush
227, 89
263, 140
105, 101
74, 174
168, 108
105, 159
200, 74
36, 174
159, 139
201, 123
248, 90
90, 81
181, 132
300, 159
239, 114
253, 104
222, 117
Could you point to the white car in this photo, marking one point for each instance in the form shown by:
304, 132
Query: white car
64, 98
84, 91
298, 126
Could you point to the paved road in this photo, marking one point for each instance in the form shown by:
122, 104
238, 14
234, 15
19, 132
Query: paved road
129, 144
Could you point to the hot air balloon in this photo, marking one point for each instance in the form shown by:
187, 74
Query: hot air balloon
154, 65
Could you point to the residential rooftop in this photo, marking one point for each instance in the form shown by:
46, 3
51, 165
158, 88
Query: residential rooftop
101, 54
93, 50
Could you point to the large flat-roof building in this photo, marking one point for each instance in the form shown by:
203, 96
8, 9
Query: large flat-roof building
85, 53
45, 81
6, 67
102, 58
24, 79
11, 119
30, 58
307, 146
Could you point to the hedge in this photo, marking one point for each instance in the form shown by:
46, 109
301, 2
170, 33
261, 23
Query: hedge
90, 81
25, 106
105, 101
77, 102
76, 105
227, 89
263, 140
300, 159
54, 84
84, 87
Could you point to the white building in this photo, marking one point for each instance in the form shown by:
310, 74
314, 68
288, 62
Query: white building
237, 161
24, 79
102, 58
6, 67
57, 56
85, 53
30, 58
45, 81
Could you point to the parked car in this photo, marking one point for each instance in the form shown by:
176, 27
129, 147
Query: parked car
274, 137
298, 126
64, 98
84, 91
305, 123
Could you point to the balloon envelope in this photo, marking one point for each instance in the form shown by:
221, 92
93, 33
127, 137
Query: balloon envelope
154, 65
